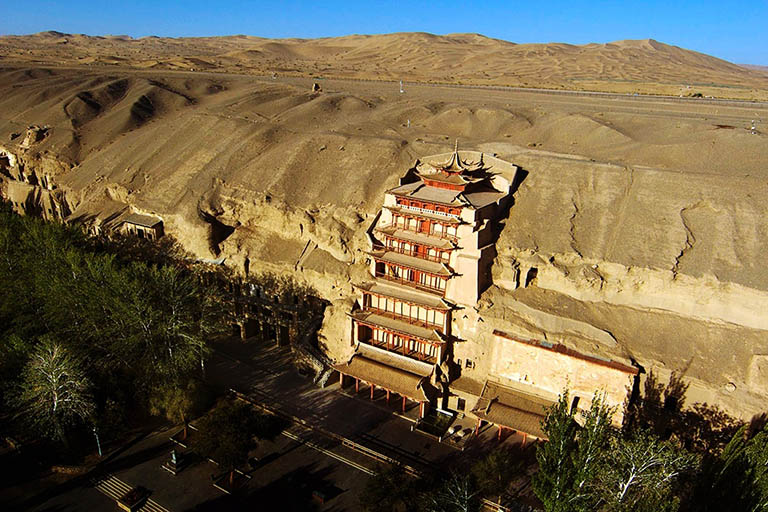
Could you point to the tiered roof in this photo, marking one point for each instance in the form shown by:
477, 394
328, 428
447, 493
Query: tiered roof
455, 165
399, 326
404, 260
401, 382
416, 237
467, 183
403, 294
425, 215
147, 221
512, 408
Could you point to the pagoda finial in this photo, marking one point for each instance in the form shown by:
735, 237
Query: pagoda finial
456, 147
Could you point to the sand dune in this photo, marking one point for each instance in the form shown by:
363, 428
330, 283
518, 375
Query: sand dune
643, 66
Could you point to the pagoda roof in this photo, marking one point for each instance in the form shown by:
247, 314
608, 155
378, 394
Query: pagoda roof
400, 326
455, 164
385, 289
401, 382
511, 408
147, 221
431, 267
453, 179
432, 216
399, 361
419, 238
423, 192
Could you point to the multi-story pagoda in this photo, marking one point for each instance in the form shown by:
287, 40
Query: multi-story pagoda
431, 251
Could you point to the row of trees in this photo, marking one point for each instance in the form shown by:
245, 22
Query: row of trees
594, 467
650, 466
392, 489
89, 331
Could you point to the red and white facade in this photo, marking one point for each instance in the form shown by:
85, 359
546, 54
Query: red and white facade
430, 253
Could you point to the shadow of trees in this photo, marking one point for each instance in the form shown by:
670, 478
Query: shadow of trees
700, 428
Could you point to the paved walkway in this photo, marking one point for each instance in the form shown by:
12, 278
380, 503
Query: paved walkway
266, 374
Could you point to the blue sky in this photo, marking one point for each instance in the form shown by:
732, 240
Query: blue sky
736, 31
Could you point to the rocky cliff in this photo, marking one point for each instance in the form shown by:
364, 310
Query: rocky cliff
636, 233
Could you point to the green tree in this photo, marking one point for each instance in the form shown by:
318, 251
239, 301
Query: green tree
494, 472
177, 402
643, 473
54, 390
553, 483
226, 435
593, 439
390, 489
726, 479
757, 455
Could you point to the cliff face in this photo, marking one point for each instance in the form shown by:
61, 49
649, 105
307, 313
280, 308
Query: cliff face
636, 233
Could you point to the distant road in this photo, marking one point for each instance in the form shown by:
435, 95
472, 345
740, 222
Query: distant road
406, 84
536, 90
723, 111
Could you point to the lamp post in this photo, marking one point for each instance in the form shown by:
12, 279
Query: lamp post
98, 443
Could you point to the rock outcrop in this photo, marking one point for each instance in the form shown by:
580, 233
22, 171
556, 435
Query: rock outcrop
642, 248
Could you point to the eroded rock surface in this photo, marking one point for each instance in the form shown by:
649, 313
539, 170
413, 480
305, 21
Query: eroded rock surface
636, 233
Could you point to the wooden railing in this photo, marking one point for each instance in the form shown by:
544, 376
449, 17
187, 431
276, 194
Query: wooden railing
443, 235
401, 350
408, 282
408, 319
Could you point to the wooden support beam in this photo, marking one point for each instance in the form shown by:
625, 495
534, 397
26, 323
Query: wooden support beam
387, 396
525, 438
404, 404
357, 385
372, 388
477, 426
499, 435
341, 380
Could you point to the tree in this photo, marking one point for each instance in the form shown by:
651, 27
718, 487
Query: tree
726, 479
457, 494
494, 472
226, 435
757, 455
54, 390
553, 483
643, 473
390, 489
178, 401
571, 459
593, 439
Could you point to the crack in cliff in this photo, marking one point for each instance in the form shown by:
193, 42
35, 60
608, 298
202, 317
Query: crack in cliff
572, 230
690, 240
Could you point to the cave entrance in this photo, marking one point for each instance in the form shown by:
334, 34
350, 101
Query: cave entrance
251, 328
530, 277
283, 337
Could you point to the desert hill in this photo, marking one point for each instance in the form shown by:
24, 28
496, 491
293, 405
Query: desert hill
643, 66
644, 217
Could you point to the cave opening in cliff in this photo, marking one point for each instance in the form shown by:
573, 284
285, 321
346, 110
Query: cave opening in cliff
219, 231
530, 277
5, 165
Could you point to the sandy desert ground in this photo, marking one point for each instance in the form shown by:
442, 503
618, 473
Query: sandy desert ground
646, 217
642, 66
